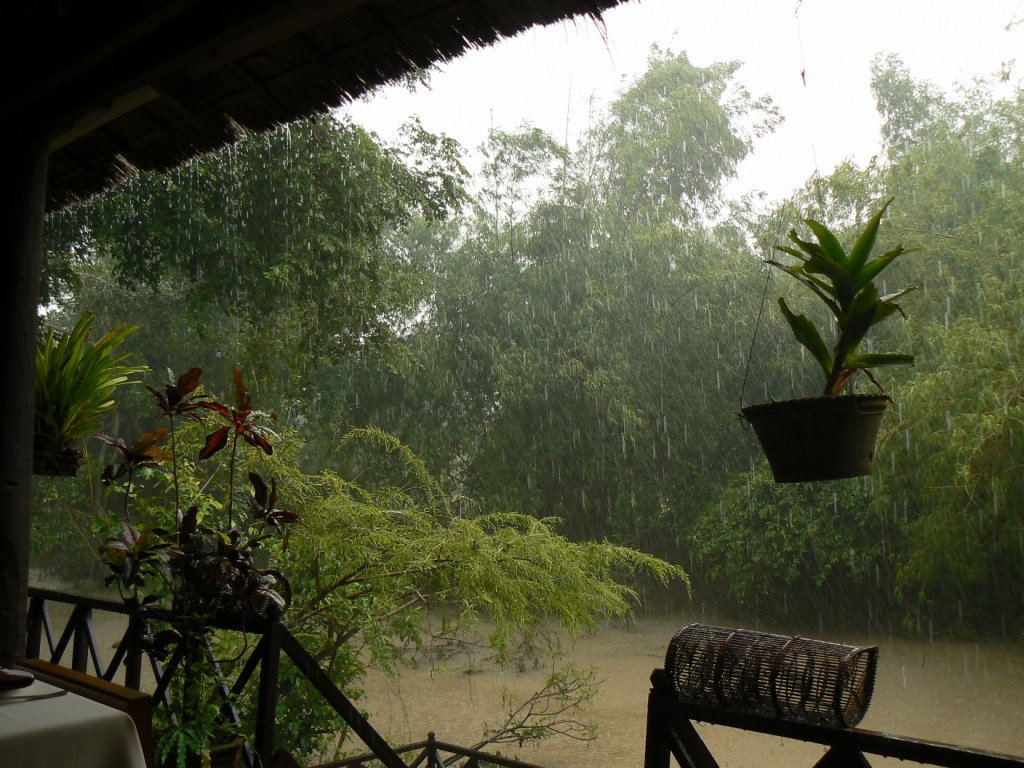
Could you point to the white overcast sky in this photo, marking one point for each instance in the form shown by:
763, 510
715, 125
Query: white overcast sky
548, 76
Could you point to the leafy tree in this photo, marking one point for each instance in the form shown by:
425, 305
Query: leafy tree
801, 550
676, 135
285, 248
584, 343
962, 478
379, 574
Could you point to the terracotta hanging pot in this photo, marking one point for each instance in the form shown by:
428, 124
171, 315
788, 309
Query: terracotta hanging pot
818, 438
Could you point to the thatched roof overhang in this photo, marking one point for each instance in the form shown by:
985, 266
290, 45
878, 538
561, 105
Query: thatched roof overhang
120, 86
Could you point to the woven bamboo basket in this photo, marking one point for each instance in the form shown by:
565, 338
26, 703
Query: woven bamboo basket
790, 677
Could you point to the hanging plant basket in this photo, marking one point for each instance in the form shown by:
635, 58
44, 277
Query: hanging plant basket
49, 461
818, 438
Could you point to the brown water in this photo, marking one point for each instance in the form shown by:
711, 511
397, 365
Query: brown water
963, 693
956, 692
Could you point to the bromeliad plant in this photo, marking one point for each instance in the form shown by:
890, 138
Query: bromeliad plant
74, 386
202, 565
845, 283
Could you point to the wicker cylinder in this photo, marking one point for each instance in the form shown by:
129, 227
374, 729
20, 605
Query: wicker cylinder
810, 681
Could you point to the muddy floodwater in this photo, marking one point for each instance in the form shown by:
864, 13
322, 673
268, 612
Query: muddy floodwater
956, 692
968, 693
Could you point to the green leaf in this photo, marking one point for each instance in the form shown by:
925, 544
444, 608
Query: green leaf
890, 297
841, 279
866, 241
811, 249
829, 243
824, 266
880, 360
855, 328
792, 252
807, 334
75, 381
873, 267
823, 290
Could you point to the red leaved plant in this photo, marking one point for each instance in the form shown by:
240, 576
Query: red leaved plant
206, 567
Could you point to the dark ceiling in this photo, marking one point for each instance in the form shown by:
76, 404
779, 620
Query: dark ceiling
125, 86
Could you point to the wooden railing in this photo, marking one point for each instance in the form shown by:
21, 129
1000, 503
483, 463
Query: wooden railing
437, 754
78, 636
671, 734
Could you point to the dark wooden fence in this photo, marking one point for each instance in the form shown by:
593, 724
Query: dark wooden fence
671, 734
670, 730
437, 754
77, 636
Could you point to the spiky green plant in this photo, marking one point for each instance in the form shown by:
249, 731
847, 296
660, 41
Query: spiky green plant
845, 282
75, 384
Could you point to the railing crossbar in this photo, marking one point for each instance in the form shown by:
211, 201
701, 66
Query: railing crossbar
431, 755
249, 667
96, 603
163, 698
163, 681
119, 654
68, 633
311, 670
94, 650
128, 654
47, 628
228, 710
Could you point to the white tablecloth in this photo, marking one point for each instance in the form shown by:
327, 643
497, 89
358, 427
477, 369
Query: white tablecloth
64, 731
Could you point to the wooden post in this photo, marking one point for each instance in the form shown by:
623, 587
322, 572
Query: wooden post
34, 643
434, 759
266, 704
668, 735
656, 752
80, 644
21, 230
133, 657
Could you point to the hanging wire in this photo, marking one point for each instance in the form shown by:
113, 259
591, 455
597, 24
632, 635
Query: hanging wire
757, 324
753, 338
821, 203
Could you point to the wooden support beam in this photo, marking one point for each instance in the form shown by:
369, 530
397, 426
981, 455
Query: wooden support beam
21, 230
308, 666
80, 644
266, 706
34, 643
843, 758
689, 748
843, 740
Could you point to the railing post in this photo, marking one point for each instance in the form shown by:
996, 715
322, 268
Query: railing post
842, 758
80, 644
434, 759
266, 705
133, 656
656, 750
34, 641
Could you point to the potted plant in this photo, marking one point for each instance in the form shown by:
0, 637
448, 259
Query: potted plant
834, 435
191, 568
74, 386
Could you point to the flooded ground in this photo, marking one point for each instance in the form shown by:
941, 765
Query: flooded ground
956, 692
964, 693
